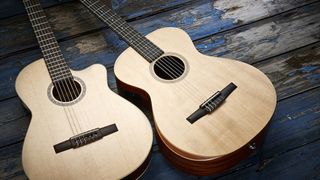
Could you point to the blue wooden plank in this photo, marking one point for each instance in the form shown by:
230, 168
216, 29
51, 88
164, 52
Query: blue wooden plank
267, 37
103, 47
14, 7
10, 162
295, 68
69, 19
199, 18
300, 163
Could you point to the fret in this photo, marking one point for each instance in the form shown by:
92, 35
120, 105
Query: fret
48, 44
42, 29
55, 62
138, 42
49, 49
46, 28
61, 77
34, 12
30, 7
57, 65
37, 18
39, 24
101, 7
51, 53
51, 61
45, 34
92, 4
59, 70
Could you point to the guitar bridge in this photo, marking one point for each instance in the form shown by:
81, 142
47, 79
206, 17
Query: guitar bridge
85, 138
212, 103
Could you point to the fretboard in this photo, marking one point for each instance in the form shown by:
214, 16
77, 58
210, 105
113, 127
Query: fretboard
56, 64
138, 42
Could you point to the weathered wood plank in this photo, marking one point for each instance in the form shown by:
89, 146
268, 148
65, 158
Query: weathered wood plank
281, 70
287, 139
269, 37
200, 19
70, 19
103, 47
300, 163
293, 72
10, 162
14, 7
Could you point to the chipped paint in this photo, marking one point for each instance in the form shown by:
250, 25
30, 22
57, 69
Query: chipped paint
94, 44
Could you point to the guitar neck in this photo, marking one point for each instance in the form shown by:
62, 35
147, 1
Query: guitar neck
56, 64
137, 41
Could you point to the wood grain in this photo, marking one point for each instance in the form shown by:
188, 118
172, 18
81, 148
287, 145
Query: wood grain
104, 48
199, 19
284, 71
99, 107
10, 163
70, 19
282, 33
227, 15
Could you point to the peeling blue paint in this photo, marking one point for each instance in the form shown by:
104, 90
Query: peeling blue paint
307, 69
213, 43
188, 20
314, 77
212, 21
290, 74
117, 3
138, 13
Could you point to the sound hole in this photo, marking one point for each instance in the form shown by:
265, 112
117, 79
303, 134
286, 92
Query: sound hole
169, 67
66, 90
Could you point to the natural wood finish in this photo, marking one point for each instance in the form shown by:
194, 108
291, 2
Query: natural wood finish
113, 157
295, 127
244, 114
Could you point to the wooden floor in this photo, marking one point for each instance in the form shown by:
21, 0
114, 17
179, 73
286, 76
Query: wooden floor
280, 37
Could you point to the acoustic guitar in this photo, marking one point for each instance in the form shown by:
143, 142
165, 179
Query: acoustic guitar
80, 129
209, 112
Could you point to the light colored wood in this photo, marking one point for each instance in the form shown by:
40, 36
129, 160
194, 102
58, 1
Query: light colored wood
113, 157
243, 115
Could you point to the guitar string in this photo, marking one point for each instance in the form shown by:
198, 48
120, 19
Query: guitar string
54, 56
28, 5
71, 84
70, 88
60, 90
162, 65
170, 69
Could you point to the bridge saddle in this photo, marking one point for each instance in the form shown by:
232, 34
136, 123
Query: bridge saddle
212, 103
85, 138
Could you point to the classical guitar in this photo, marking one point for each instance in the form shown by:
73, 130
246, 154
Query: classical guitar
209, 112
80, 129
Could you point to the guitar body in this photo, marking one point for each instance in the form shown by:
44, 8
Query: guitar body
115, 156
217, 140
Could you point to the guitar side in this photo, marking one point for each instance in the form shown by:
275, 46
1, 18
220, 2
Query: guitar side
114, 156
